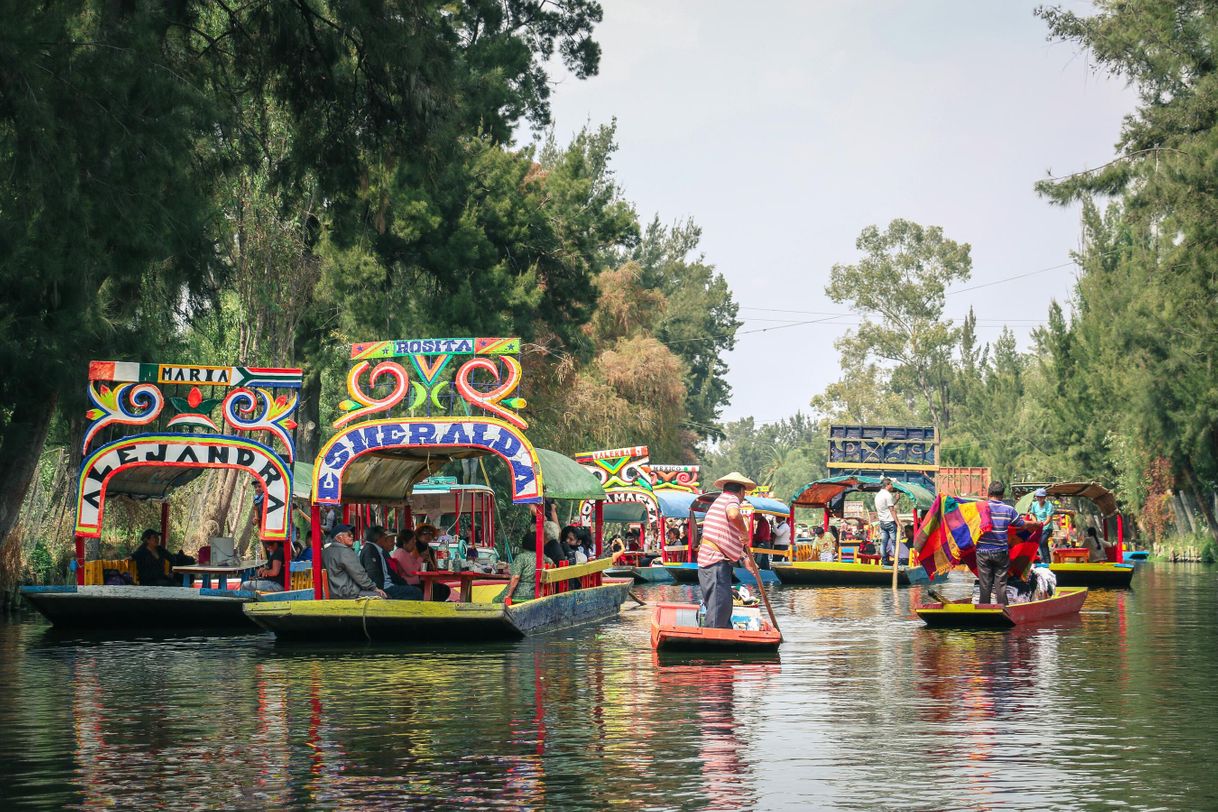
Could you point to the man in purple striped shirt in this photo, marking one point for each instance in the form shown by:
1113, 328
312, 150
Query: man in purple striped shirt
993, 552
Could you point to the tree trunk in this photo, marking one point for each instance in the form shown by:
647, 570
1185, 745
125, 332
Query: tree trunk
309, 416
1184, 524
1202, 503
20, 447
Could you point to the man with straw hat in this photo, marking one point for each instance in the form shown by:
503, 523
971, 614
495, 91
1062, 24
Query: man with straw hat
724, 538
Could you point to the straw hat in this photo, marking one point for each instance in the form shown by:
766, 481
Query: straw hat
738, 478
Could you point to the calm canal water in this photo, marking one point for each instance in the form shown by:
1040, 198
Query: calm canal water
862, 709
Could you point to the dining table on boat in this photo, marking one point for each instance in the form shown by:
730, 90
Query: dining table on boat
466, 577
1065, 555
207, 572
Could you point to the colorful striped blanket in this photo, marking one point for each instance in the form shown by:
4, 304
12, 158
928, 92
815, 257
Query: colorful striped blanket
948, 536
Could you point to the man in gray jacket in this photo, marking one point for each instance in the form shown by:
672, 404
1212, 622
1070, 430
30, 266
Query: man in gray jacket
348, 578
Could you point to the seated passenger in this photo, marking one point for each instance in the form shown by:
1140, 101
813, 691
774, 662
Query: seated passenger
570, 544
268, 578
151, 560
586, 543
427, 561
348, 579
826, 544
524, 572
374, 556
404, 559
1097, 550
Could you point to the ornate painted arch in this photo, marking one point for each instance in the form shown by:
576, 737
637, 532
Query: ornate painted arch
488, 434
267, 468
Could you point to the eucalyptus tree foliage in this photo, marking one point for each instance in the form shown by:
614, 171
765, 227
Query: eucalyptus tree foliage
899, 286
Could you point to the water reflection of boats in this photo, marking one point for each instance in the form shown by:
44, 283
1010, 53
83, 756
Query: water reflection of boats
1065, 602
371, 464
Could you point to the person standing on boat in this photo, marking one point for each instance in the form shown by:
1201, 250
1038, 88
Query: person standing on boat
993, 551
723, 547
1042, 511
782, 536
348, 579
886, 512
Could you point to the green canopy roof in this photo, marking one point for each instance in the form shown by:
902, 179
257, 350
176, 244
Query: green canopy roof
564, 478
824, 491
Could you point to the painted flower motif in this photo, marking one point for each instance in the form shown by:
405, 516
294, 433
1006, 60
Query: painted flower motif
194, 410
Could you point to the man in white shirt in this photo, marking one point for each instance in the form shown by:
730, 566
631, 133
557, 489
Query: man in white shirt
782, 535
886, 513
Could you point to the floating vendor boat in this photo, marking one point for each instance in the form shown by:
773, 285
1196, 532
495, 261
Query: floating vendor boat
153, 430
674, 627
829, 496
1065, 602
1115, 573
467, 387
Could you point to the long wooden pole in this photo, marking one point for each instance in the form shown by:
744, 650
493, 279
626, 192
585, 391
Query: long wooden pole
766, 600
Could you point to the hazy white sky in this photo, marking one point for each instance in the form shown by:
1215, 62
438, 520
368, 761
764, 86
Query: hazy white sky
783, 129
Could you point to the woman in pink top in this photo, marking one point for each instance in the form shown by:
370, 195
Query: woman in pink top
405, 558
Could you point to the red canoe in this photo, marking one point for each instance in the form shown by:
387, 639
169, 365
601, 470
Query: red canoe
674, 626
1066, 601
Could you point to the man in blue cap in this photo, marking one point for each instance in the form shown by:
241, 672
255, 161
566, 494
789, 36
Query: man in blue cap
348, 578
1042, 511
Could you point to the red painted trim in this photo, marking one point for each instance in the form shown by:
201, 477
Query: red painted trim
540, 544
315, 533
80, 560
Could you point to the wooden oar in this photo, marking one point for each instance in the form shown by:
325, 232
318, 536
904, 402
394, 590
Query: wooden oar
766, 600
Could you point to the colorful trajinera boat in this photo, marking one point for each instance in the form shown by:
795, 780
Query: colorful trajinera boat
467, 388
1065, 602
829, 496
686, 572
1115, 573
642, 493
153, 429
674, 627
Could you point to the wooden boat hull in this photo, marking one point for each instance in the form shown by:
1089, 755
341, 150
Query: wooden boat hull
436, 621
136, 608
838, 573
671, 631
745, 577
684, 572
1104, 574
651, 575
1066, 601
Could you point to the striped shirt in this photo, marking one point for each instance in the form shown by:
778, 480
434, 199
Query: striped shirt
1002, 516
718, 532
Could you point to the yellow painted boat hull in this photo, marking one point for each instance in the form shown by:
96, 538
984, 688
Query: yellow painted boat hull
1101, 574
837, 573
436, 621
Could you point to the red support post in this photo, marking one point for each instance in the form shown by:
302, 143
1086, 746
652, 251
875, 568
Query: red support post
692, 527
1120, 544
315, 540
540, 544
825, 525
598, 528
409, 517
80, 560
346, 514
165, 525
663, 540
473, 519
